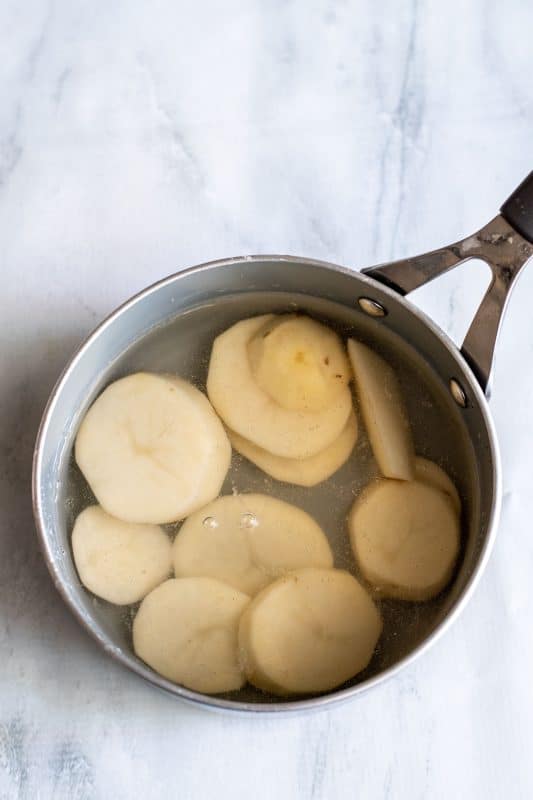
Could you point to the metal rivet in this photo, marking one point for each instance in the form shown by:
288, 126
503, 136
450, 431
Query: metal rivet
458, 393
372, 307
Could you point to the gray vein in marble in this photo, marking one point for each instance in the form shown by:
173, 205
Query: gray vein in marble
10, 149
318, 231
183, 156
313, 766
38, 46
14, 754
428, 763
10, 154
286, 51
73, 775
60, 83
15, 444
408, 686
319, 767
406, 120
316, 228
498, 64
387, 784
86, 307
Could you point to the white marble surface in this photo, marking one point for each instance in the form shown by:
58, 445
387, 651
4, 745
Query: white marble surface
136, 138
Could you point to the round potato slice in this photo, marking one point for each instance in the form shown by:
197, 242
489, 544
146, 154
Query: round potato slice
405, 537
299, 362
252, 413
186, 630
309, 631
428, 472
247, 540
119, 561
301, 471
152, 449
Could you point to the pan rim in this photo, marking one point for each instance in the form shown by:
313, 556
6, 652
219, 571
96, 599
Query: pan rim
235, 706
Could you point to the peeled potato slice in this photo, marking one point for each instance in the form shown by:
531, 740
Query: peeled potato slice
405, 538
251, 412
248, 540
383, 411
428, 472
186, 630
119, 561
308, 632
301, 471
299, 362
152, 449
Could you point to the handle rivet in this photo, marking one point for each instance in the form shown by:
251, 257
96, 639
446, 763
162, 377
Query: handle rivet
458, 393
372, 307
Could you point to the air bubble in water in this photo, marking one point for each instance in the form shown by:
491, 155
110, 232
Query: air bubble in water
249, 521
210, 522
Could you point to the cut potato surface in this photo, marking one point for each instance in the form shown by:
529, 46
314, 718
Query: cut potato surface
428, 472
252, 413
248, 540
309, 631
186, 630
152, 449
299, 362
301, 471
119, 561
405, 537
384, 412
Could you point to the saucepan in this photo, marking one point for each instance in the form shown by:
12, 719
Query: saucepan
170, 327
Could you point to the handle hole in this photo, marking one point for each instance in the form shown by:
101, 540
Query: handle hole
453, 299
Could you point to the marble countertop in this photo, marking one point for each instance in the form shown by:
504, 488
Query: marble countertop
137, 138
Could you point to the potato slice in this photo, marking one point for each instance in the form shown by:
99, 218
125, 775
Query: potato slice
427, 471
251, 412
300, 363
152, 449
383, 411
301, 471
405, 537
308, 632
186, 630
247, 540
119, 561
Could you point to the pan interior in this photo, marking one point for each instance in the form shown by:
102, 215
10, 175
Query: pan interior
182, 344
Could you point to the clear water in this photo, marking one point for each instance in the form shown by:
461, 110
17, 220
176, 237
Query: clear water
182, 346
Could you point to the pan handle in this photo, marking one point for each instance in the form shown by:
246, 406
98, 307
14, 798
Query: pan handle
505, 244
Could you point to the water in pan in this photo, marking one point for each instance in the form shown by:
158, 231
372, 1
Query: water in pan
182, 346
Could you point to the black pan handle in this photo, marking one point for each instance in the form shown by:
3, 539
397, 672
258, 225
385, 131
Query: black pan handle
518, 208
505, 244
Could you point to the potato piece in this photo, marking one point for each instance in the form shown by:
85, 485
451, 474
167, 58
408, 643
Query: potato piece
152, 449
251, 412
247, 540
300, 363
428, 472
186, 630
301, 471
308, 632
383, 411
405, 537
119, 561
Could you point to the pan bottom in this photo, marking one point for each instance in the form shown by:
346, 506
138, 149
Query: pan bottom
182, 346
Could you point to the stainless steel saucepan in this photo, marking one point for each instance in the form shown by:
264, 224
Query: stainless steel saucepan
170, 327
